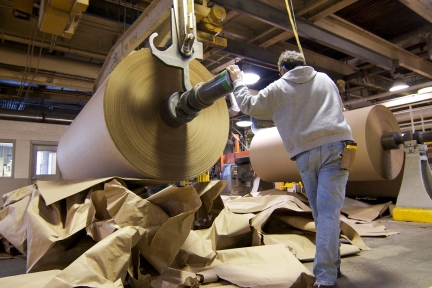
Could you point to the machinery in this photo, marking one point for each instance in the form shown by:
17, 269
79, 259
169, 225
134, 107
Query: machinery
181, 108
239, 174
414, 202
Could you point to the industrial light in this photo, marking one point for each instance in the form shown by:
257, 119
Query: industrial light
425, 90
405, 100
244, 123
398, 84
249, 77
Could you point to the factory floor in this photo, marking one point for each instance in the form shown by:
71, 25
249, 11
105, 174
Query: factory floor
403, 260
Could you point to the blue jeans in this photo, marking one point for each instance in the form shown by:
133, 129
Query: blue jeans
325, 183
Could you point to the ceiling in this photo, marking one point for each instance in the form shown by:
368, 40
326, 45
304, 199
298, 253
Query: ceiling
361, 44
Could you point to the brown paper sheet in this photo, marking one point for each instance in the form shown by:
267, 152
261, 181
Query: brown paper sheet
371, 229
296, 230
259, 266
13, 224
363, 212
31, 280
53, 191
212, 203
105, 264
302, 246
107, 234
17, 195
56, 234
251, 204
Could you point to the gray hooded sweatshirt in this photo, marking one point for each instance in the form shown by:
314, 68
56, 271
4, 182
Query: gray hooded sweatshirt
305, 106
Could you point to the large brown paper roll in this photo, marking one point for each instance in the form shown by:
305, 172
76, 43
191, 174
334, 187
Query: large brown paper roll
271, 161
120, 132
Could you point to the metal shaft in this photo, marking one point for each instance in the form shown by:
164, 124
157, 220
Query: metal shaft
393, 140
181, 108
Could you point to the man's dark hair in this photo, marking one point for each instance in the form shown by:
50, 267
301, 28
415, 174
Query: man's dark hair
290, 59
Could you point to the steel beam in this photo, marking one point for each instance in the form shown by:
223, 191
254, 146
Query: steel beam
374, 43
275, 17
269, 59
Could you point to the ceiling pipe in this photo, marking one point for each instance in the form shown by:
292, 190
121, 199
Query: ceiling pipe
36, 117
386, 94
418, 113
49, 80
57, 64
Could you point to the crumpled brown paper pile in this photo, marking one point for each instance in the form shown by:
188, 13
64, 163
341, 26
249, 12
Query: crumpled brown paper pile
100, 233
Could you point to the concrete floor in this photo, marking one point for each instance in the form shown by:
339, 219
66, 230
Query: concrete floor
403, 260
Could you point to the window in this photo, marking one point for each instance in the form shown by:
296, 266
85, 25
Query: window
46, 163
6, 158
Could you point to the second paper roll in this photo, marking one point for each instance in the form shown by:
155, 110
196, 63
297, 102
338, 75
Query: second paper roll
272, 163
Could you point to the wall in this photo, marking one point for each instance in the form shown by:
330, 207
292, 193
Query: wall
23, 133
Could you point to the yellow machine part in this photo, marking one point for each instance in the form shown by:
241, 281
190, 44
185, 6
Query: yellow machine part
52, 20
60, 17
212, 23
412, 214
22, 9
205, 177
211, 40
286, 185
63, 5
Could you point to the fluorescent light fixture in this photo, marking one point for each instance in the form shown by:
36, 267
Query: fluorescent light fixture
244, 123
398, 84
413, 98
425, 90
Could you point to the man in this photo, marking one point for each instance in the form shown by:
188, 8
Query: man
307, 110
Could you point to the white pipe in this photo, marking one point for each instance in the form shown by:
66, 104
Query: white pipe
54, 80
385, 94
56, 64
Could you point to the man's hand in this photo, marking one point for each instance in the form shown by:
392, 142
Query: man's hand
235, 72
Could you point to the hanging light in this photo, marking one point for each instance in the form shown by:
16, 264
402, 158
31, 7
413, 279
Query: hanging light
244, 123
425, 90
249, 77
398, 84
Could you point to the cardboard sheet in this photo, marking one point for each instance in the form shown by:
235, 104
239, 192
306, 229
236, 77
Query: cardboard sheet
13, 224
259, 266
56, 234
252, 204
31, 280
212, 203
363, 212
